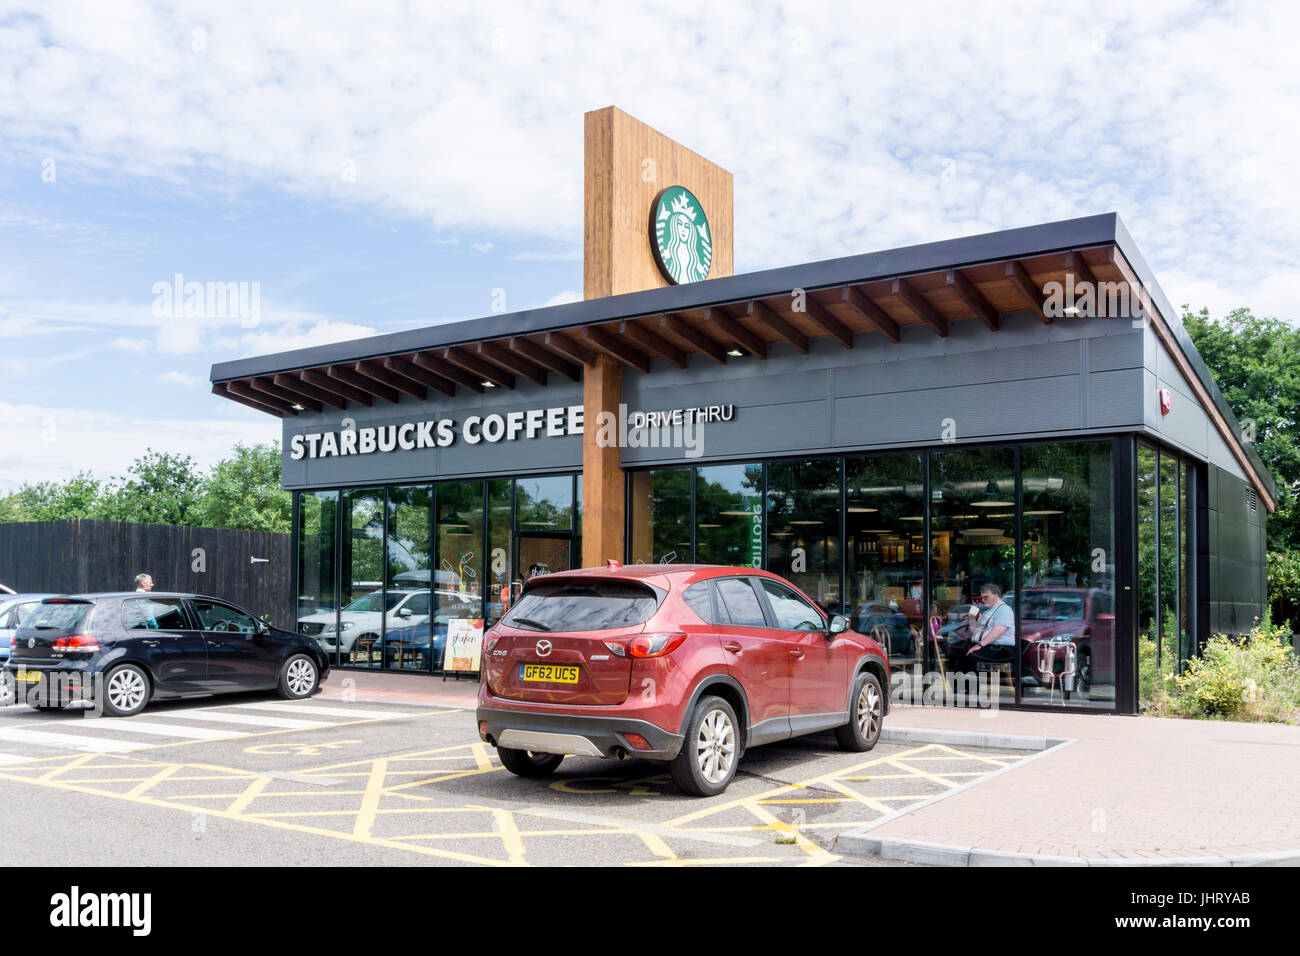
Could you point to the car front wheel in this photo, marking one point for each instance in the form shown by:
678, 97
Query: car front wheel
709, 755
866, 715
299, 677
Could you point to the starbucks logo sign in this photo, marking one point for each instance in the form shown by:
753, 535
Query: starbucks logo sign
679, 232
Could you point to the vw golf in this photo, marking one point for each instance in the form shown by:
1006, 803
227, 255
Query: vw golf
689, 665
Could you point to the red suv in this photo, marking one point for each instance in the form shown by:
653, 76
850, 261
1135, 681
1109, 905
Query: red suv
685, 664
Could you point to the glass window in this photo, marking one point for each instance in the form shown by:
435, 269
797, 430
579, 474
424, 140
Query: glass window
406, 641
500, 508
316, 542
545, 504
699, 598
738, 603
1147, 646
359, 633
661, 516
792, 612
577, 605
1067, 621
1186, 610
885, 555
729, 515
803, 521
150, 614
459, 595
972, 562
221, 617
1168, 578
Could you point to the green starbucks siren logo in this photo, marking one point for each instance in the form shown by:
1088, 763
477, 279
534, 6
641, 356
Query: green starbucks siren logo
682, 244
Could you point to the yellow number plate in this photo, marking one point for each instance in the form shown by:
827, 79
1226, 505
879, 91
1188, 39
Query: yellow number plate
550, 673
29, 677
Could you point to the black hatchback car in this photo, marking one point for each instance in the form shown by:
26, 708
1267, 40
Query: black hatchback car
120, 651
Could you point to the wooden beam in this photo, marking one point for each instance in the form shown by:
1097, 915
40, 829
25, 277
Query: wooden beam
415, 373
317, 377
250, 395
324, 382
486, 371
652, 342
676, 325
827, 322
919, 306
1076, 264
567, 346
374, 370
545, 357
970, 295
223, 389
453, 373
295, 384
348, 375
754, 344
869, 312
615, 347
268, 387
1029, 289
762, 312
512, 362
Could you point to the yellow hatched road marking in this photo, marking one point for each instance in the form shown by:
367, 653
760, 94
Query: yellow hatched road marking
509, 833
370, 801
148, 782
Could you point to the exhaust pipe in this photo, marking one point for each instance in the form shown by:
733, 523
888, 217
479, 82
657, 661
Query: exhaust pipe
620, 753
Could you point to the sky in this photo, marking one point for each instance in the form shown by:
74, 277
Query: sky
370, 167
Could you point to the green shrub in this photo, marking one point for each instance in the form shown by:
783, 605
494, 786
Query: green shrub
1254, 678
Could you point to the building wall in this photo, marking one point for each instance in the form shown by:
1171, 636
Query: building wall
1236, 551
1027, 380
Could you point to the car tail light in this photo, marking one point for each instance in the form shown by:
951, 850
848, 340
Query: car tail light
76, 644
490, 641
645, 645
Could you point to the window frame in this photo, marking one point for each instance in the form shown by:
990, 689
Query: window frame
762, 582
181, 603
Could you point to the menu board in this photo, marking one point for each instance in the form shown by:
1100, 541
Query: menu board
464, 644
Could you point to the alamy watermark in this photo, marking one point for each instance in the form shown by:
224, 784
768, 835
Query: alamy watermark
177, 299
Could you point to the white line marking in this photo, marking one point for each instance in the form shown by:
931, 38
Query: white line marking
257, 720
68, 741
14, 758
134, 726
355, 713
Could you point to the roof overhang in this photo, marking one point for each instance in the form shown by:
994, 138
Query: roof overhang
972, 279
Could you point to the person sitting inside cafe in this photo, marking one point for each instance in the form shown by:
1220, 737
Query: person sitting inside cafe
993, 633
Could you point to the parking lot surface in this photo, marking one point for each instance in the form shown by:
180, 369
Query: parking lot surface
257, 780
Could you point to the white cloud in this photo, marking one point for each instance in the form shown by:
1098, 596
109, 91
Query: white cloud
560, 298
180, 378
52, 444
481, 246
850, 127
294, 336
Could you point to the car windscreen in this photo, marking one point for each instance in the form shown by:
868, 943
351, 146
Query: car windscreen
56, 618
375, 603
577, 605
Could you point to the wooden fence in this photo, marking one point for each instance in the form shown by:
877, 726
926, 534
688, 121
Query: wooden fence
248, 568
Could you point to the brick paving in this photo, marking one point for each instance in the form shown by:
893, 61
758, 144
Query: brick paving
1126, 788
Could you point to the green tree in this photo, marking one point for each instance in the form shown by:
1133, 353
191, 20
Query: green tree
1253, 360
78, 497
243, 491
159, 488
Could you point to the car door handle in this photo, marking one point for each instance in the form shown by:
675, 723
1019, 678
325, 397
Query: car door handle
797, 654
733, 646
151, 643
215, 643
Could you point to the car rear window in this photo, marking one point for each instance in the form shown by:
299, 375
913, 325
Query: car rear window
577, 605
59, 618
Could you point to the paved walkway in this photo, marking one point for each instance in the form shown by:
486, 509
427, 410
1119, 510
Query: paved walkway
1123, 788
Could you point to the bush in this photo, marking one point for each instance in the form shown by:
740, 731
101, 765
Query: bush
1284, 586
1254, 678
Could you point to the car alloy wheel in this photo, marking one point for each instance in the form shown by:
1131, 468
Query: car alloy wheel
301, 676
869, 710
715, 748
126, 689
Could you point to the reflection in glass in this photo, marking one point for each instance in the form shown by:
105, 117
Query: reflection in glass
500, 504
1067, 612
972, 526
803, 520
316, 540
660, 506
407, 641
545, 504
361, 622
1187, 624
729, 515
458, 597
885, 555
1147, 646
1168, 578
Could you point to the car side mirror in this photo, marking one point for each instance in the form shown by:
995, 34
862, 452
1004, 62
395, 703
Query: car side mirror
839, 624
1106, 618
404, 612
263, 627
